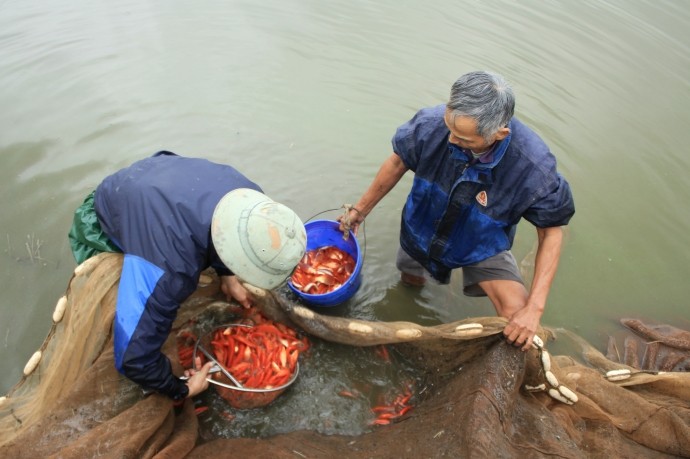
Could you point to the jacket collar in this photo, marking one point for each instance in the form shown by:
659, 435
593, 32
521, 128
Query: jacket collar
498, 152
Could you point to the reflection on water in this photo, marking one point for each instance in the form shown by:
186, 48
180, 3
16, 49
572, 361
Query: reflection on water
304, 96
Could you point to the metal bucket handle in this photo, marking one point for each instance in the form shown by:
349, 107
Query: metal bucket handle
364, 232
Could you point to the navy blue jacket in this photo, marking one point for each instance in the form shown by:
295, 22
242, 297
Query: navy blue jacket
458, 212
158, 211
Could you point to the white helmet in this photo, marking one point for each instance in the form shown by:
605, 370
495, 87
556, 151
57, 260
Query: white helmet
258, 239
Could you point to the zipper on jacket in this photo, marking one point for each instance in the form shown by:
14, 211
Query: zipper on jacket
468, 164
437, 244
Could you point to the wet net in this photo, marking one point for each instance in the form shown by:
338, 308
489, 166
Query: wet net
488, 399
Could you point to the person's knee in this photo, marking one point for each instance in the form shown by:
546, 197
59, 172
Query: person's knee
507, 296
508, 308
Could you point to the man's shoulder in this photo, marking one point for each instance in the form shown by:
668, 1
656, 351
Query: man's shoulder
423, 135
528, 157
525, 133
427, 121
526, 143
430, 115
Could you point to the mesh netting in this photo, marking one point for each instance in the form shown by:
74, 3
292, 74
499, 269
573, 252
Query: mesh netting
502, 403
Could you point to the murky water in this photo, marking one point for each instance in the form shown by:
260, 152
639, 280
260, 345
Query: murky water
303, 96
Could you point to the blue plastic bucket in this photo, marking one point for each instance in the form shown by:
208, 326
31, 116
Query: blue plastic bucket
325, 233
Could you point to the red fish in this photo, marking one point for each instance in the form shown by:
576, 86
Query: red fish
323, 270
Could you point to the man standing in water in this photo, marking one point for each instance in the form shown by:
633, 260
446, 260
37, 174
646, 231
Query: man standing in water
478, 171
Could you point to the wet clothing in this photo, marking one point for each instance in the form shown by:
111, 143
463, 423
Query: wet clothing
461, 211
158, 212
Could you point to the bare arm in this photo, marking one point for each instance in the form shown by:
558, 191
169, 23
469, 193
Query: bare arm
389, 174
545, 265
526, 320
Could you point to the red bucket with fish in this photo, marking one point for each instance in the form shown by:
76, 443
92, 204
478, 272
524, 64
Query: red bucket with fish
330, 271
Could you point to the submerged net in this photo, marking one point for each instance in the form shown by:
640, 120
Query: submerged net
488, 399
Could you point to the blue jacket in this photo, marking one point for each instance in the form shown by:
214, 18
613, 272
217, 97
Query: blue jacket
158, 211
460, 212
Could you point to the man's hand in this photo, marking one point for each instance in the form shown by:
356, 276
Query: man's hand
197, 378
350, 221
522, 327
233, 289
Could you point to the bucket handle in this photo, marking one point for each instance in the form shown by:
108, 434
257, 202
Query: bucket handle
364, 233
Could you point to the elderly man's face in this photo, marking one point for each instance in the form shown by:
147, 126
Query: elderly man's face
463, 133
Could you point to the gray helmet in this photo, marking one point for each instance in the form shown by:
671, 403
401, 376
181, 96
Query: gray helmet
258, 239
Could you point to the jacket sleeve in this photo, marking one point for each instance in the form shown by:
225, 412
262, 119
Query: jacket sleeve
555, 208
143, 320
403, 146
221, 269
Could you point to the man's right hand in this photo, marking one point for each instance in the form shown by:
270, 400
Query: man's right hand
350, 221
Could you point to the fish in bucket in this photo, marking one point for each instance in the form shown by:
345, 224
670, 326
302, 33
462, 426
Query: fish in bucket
330, 271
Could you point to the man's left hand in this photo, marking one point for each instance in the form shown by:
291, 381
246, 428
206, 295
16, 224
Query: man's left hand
522, 326
234, 290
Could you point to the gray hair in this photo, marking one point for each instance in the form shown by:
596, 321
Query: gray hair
486, 97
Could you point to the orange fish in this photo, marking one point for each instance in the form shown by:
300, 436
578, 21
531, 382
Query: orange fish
323, 270
261, 356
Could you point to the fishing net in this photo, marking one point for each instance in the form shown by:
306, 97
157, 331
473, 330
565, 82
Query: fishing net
487, 399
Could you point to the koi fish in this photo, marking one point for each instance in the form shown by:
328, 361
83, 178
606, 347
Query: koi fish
386, 413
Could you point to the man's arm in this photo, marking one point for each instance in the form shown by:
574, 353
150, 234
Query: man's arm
389, 174
145, 310
526, 320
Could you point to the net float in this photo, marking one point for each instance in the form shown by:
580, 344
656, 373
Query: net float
408, 333
361, 328
32, 363
618, 375
60, 308
545, 360
557, 396
85, 267
567, 393
469, 329
537, 342
538, 388
551, 378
